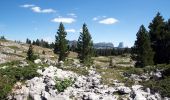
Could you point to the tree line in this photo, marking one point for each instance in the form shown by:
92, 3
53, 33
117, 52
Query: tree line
60, 46
153, 46
112, 51
40, 42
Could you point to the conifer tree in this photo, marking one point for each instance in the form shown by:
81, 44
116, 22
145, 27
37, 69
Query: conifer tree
167, 41
141, 51
30, 54
85, 46
37, 42
28, 41
157, 36
61, 43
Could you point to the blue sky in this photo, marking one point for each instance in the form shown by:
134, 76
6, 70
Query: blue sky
107, 20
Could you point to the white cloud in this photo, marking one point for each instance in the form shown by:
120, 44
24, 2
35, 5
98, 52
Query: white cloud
108, 21
70, 30
63, 20
72, 15
27, 5
38, 9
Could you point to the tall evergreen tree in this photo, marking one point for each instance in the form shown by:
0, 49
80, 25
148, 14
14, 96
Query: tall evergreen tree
85, 46
37, 42
157, 37
141, 51
30, 54
28, 41
167, 40
61, 43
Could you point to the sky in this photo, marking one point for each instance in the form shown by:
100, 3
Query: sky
107, 20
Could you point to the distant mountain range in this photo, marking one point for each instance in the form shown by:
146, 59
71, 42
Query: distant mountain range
100, 45
103, 45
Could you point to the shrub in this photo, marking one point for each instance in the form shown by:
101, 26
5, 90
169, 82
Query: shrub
5, 86
162, 86
20, 73
62, 85
43, 52
10, 75
137, 71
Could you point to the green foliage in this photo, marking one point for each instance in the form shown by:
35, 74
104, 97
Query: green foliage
30, 54
111, 61
10, 75
81, 71
142, 52
5, 86
128, 82
61, 43
12, 63
162, 86
28, 41
160, 39
20, 73
138, 71
43, 52
85, 46
62, 85
14, 47
2, 38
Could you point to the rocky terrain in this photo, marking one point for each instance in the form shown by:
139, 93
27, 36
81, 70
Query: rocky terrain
72, 81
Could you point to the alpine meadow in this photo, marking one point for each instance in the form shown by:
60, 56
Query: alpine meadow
84, 50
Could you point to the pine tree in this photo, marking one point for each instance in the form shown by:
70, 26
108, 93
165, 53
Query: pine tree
61, 43
28, 41
30, 54
157, 37
141, 51
37, 42
2, 38
85, 46
167, 41
33, 42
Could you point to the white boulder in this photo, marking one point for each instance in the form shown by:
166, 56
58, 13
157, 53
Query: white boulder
37, 61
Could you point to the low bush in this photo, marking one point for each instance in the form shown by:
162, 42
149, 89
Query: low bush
5, 86
20, 73
138, 71
162, 86
61, 85
10, 75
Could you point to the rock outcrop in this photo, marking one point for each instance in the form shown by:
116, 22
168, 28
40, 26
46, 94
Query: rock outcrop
84, 88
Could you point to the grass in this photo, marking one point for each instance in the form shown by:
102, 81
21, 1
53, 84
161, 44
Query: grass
14, 47
2, 40
102, 59
123, 63
109, 74
14, 54
80, 71
12, 63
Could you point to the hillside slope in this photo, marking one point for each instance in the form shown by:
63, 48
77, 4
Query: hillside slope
48, 79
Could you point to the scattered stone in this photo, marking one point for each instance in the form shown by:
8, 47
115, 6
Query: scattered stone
87, 87
123, 89
37, 61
